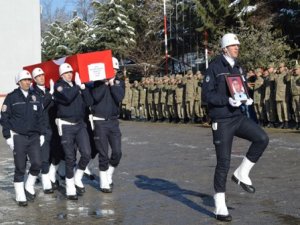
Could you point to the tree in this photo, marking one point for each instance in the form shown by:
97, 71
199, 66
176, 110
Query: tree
65, 39
111, 28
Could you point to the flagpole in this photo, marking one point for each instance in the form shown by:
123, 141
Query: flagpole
166, 38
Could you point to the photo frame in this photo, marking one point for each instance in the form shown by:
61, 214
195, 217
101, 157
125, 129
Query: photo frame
237, 87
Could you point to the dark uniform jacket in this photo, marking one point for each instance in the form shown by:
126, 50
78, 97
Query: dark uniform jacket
71, 101
215, 91
47, 102
107, 99
22, 115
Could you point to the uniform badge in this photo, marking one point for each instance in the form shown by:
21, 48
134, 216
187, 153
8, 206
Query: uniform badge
4, 108
207, 79
60, 88
117, 82
33, 98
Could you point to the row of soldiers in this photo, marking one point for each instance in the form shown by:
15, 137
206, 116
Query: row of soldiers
174, 98
177, 98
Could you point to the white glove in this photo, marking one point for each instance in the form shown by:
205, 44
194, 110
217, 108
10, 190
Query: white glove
234, 103
77, 79
51, 86
10, 142
249, 101
111, 81
42, 140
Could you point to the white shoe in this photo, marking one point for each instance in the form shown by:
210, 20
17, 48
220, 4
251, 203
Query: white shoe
110, 173
52, 172
70, 189
46, 182
29, 187
242, 172
20, 193
220, 205
104, 184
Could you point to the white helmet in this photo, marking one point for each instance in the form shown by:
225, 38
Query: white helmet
115, 63
24, 74
229, 39
37, 71
64, 68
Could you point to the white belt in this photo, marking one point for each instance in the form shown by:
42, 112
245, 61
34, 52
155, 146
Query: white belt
98, 118
63, 122
59, 122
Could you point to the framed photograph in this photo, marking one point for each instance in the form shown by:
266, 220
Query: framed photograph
237, 87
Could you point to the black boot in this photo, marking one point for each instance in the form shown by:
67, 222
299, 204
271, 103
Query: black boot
285, 125
298, 126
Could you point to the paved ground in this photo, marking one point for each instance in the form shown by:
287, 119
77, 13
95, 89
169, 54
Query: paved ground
165, 178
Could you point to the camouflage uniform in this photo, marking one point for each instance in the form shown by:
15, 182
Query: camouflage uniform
189, 95
126, 103
281, 95
295, 87
142, 100
269, 100
198, 111
135, 99
179, 97
171, 99
258, 95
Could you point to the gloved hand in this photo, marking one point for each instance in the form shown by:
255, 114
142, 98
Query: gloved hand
42, 140
249, 101
111, 81
234, 103
51, 86
10, 142
77, 79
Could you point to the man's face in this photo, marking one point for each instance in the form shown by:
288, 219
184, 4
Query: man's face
68, 76
271, 69
40, 80
297, 71
232, 50
25, 84
237, 86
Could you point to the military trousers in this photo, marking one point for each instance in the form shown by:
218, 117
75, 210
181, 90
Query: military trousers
26, 146
296, 107
223, 133
270, 110
282, 111
73, 137
107, 133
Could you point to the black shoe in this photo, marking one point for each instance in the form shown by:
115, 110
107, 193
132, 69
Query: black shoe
246, 187
48, 191
55, 185
89, 176
30, 197
80, 191
72, 197
111, 185
23, 204
106, 190
223, 218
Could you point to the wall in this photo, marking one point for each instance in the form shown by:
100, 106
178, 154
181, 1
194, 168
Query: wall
20, 40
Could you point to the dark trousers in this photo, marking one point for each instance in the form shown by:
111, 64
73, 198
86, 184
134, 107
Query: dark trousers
45, 151
26, 146
241, 127
107, 133
75, 136
56, 150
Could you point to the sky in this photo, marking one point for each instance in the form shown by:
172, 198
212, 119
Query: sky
69, 4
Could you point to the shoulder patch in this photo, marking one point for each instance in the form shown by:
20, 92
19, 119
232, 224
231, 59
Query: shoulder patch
59, 88
117, 82
207, 79
4, 108
33, 98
